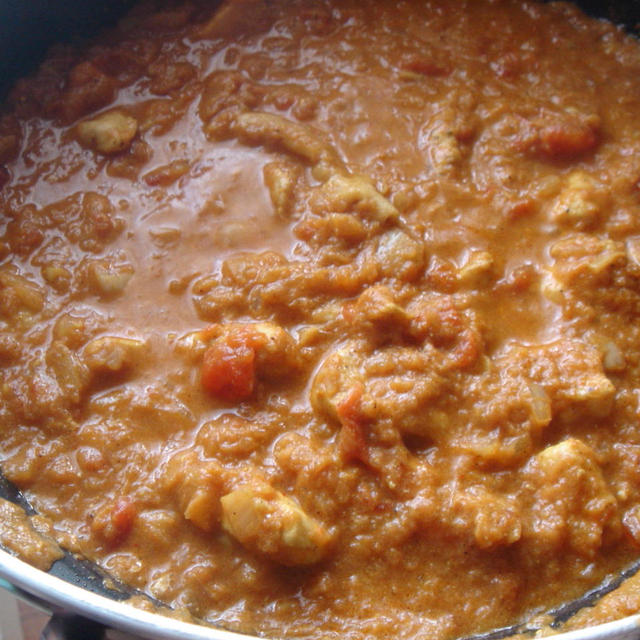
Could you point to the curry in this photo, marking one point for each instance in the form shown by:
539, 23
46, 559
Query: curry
321, 319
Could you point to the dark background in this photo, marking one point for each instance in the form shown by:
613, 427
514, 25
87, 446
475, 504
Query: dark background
29, 27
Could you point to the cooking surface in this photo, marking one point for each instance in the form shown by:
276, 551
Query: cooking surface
308, 307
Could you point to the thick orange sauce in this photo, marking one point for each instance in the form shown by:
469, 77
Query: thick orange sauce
321, 319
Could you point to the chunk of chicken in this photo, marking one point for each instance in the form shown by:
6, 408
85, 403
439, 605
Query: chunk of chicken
108, 279
57, 276
339, 373
320, 231
400, 256
558, 458
342, 193
71, 374
477, 269
495, 520
567, 372
278, 354
18, 293
580, 202
301, 141
591, 394
113, 354
108, 133
267, 522
375, 309
339, 193
551, 288
74, 330
198, 486
573, 505
393, 385
280, 178
582, 256
613, 360
445, 151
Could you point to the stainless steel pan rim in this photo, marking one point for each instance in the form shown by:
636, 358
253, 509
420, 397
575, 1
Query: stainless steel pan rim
153, 626
114, 614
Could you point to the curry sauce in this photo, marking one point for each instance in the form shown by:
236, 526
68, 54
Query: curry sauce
321, 319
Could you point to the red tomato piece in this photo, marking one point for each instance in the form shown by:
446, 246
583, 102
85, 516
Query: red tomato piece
122, 517
113, 523
352, 442
229, 370
426, 65
558, 137
567, 140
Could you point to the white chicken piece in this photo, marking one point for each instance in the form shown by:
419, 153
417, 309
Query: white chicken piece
108, 133
572, 502
267, 522
357, 193
580, 202
113, 354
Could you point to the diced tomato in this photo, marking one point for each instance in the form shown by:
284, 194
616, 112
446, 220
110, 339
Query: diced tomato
113, 523
558, 137
440, 322
229, 369
467, 350
521, 209
447, 328
567, 140
425, 65
123, 514
352, 442
442, 276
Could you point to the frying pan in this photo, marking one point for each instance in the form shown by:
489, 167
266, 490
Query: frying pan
74, 590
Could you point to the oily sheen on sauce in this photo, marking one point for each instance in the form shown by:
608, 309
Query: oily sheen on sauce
320, 319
